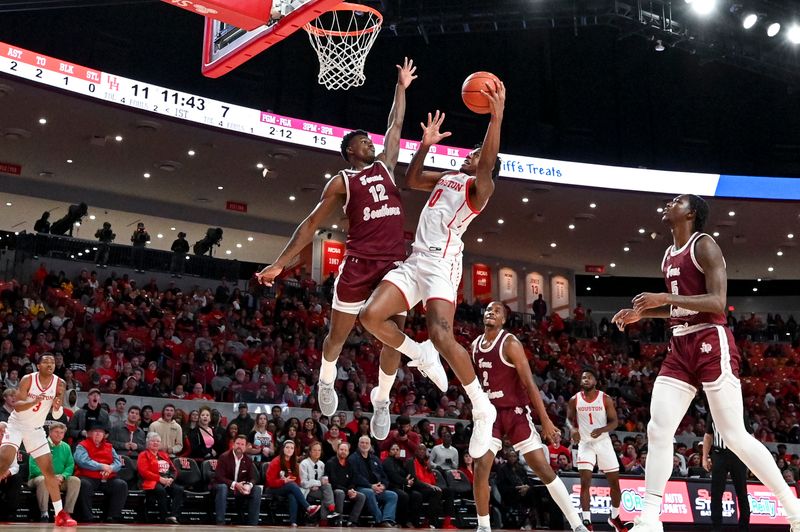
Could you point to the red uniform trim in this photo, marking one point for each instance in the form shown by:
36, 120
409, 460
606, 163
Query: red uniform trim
469, 184
408, 307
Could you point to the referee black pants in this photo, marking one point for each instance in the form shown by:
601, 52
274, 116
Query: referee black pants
723, 462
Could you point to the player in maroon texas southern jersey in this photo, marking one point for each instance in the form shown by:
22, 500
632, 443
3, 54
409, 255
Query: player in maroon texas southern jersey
504, 372
369, 197
702, 354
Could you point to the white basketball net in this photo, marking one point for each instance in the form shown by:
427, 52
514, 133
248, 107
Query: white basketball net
342, 40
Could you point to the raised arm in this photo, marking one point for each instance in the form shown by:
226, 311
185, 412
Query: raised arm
714, 301
416, 176
513, 352
391, 142
484, 184
332, 198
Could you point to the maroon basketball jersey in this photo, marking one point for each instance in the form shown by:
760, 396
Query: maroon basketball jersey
497, 375
375, 213
684, 276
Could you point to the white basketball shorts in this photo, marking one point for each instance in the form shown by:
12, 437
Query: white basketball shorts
422, 278
600, 452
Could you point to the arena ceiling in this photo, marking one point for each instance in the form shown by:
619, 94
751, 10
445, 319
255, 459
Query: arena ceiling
110, 174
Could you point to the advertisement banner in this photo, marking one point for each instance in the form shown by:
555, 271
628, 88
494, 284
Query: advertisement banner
481, 282
684, 502
765, 509
332, 255
701, 502
534, 286
675, 507
559, 295
508, 291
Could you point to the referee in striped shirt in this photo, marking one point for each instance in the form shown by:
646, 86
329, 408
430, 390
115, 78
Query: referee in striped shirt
720, 461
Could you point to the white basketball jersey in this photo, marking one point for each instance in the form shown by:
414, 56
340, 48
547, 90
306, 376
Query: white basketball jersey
591, 416
35, 416
445, 217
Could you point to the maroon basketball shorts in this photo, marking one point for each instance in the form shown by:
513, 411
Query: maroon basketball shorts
702, 356
516, 424
357, 279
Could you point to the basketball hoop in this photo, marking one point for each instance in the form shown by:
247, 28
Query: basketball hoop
342, 38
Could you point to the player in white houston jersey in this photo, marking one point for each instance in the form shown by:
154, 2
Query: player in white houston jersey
37, 394
445, 217
433, 271
592, 415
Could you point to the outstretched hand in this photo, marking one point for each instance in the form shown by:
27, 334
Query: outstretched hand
430, 133
496, 94
267, 275
625, 317
648, 300
406, 73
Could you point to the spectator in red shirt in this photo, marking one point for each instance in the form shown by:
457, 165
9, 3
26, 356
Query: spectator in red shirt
404, 437
425, 482
158, 474
555, 449
283, 477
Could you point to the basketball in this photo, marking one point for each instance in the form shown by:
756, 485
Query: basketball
471, 91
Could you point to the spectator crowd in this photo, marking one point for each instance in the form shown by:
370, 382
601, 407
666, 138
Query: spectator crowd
112, 337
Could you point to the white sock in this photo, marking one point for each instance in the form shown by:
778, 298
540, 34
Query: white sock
57, 507
587, 516
652, 506
484, 521
614, 512
477, 396
410, 348
327, 372
385, 383
668, 404
558, 491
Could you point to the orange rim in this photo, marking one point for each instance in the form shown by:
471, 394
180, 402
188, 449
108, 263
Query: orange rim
345, 6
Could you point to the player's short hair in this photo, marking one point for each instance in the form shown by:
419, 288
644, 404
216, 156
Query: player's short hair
346, 141
700, 208
589, 369
46, 354
497, 163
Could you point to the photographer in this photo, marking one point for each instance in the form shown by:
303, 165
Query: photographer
139, 239
106, 236
180, 247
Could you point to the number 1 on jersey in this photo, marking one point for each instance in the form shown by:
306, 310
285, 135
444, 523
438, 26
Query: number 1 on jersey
591, 421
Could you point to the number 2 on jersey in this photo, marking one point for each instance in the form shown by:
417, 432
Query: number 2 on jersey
485, 379
378, 193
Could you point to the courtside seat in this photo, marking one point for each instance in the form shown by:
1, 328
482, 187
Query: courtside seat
197, 497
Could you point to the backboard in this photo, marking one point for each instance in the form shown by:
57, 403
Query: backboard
225, 47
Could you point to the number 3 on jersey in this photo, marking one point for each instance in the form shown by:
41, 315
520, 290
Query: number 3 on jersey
378, 193
37, 407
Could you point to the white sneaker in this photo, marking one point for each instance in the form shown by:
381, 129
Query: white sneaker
482, 423
640, 525
380, 422
794, 526
483, 529
430, 365
327, 398
581, 528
